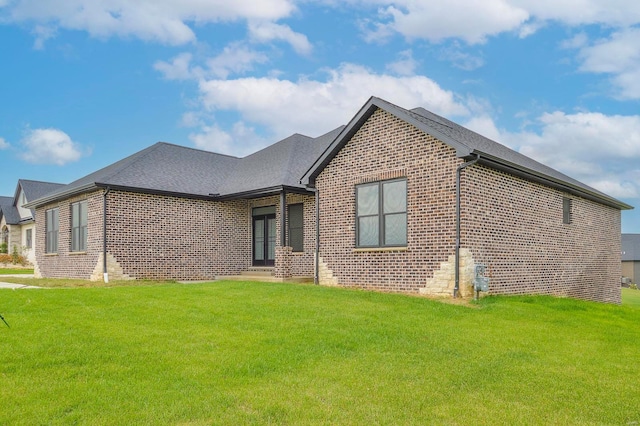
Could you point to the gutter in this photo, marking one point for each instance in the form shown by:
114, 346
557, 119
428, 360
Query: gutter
462, 166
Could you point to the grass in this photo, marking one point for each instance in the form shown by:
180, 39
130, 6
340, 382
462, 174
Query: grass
5, 271
254, 353
631, 297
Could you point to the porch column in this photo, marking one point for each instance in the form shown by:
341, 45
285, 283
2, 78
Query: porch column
283, 218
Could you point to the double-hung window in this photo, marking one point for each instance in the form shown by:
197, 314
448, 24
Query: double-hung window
296, 227
79, 226
51, 230
381, 214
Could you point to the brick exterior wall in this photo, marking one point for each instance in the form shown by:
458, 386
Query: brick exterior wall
163, 237
65, 264
512, 225
516, 228
384, 148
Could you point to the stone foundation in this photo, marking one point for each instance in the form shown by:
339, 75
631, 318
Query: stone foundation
113, 268
325, 275
444, 279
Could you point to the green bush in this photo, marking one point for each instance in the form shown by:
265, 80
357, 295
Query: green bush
3, 248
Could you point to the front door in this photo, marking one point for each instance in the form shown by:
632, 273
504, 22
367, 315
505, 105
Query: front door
264, 240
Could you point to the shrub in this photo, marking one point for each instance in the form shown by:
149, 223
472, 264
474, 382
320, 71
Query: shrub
633, 286
15, 258
3, 248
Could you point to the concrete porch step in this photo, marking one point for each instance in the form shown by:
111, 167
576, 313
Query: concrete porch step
263, 278
258, 272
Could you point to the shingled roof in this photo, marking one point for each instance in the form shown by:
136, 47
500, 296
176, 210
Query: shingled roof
34, 189
169, 169
630, 247
9, 211
468, 145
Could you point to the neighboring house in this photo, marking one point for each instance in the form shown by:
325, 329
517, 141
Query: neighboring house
397, 190
17, 224
631, 257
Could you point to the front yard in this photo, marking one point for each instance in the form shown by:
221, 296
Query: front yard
255, 353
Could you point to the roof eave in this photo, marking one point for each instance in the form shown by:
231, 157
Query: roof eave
61, 195
257, 193
499, 164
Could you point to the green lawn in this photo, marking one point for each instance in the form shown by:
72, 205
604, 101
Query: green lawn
631, 297
253, 353
5, 271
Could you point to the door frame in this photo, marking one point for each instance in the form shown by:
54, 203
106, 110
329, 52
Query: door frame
265, 218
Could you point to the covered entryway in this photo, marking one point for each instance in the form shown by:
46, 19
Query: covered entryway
264, 236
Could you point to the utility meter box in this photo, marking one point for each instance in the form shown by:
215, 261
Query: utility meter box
480, 281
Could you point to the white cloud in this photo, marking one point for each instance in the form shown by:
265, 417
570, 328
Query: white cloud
50, 146
4, 144
235, 58
268, 31
164, 21
42, 34
617, 56
405, 65
459, 59
178, 69
313, 107
475, 20
584, 12
600, 150
472, 21
241, 140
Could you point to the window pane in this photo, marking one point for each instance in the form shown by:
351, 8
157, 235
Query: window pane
271, 243
395, 229
75, 216
368, 231
367, 199
83, 213
394, 195
296, 227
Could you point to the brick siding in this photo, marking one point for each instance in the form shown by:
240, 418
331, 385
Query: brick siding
164, 237
512, 225
516, 228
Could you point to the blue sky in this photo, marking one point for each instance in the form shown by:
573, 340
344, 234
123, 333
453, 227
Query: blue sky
84, 83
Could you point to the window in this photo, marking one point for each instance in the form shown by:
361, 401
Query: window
51, 231
296, 226
79, 226
381, 214
566, 210
28, 238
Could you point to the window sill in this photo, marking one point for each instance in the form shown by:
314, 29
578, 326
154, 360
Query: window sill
51, 254
378, 249
73, 253
297, 253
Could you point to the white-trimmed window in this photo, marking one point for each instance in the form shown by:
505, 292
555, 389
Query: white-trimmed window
381, 214
51, 230
79, 226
